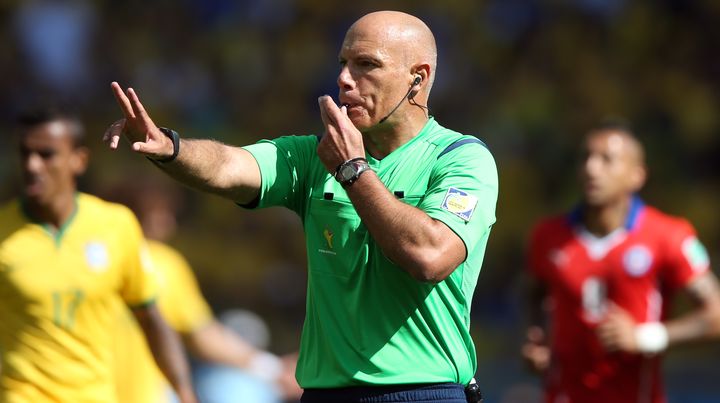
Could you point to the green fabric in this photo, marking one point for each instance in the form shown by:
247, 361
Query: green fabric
367, 320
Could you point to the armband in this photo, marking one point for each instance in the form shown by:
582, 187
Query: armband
651, 337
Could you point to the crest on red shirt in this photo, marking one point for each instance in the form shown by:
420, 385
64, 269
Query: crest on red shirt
637, 260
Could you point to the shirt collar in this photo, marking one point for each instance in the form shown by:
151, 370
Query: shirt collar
637, 206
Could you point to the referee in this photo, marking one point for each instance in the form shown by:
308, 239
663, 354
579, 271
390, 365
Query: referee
396, 208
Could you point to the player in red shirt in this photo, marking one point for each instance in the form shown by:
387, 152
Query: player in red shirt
604, 277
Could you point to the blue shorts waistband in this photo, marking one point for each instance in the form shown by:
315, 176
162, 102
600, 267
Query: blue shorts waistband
419, 393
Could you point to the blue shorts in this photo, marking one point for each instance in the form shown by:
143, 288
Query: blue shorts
420, 393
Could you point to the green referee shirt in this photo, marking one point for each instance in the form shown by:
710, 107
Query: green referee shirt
368, 322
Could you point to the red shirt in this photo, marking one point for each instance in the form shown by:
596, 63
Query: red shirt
639, 268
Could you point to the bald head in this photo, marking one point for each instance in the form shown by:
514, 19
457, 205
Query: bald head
387, 66
402, 34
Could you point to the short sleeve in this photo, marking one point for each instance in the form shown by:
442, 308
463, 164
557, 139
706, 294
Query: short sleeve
284, 165
685, 256
139, 281
180, 300
462, 193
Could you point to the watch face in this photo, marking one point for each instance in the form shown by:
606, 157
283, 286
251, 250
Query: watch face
347, 172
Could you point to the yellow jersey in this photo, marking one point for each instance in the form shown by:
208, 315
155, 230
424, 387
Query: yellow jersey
181, 304
58, 297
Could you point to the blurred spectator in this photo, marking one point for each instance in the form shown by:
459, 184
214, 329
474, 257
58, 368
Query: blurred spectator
56, 38
219, 350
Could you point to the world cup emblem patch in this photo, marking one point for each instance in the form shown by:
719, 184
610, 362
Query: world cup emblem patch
459, 203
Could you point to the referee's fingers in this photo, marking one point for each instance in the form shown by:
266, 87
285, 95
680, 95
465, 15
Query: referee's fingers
112, 134
323, 102
333, 115
138, 107
122, 100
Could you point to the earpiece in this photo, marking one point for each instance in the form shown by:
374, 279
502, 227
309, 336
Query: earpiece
409, 95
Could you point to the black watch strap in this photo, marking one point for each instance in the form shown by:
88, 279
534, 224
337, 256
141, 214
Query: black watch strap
175, 137
356, 165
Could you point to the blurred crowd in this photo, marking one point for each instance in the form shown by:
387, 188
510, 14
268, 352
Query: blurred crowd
525, 76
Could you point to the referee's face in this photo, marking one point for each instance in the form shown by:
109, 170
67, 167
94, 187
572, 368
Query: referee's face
374, 74
50, 162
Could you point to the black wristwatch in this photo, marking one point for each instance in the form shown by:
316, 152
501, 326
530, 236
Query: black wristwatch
175, 137
349, 171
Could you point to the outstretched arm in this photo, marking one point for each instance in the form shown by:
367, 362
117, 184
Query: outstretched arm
167, 351
207, 165
218, 344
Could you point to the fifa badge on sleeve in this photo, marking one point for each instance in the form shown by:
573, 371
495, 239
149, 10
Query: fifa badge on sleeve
459, 203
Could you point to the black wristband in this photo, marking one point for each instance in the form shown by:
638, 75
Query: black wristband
175, 137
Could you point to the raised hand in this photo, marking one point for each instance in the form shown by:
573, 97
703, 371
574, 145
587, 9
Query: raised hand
342, 141
137, 127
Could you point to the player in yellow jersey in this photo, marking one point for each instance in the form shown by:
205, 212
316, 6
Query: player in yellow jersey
66, 258
184, 308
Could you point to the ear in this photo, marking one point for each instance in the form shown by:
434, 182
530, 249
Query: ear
79, 160
638, 176
423, 71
